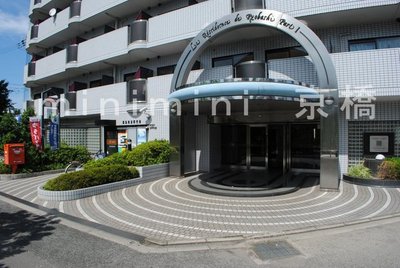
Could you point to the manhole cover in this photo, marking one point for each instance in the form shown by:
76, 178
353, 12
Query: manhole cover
274, 249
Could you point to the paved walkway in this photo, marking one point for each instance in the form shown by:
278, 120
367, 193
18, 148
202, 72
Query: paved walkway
168, 210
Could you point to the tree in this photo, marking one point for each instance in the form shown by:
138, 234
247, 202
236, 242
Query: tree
5, 102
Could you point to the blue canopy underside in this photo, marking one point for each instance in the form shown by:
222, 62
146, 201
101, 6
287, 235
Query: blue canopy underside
242, 89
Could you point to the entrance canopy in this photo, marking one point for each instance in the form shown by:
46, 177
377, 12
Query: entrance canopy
229, 89
329, 176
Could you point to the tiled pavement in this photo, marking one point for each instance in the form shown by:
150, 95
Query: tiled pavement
168, 210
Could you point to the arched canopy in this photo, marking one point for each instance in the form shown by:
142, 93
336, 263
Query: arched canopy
268, 18
229, 89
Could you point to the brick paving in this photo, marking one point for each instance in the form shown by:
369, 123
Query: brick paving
168, 210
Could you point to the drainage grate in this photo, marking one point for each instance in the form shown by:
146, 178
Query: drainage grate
274, 249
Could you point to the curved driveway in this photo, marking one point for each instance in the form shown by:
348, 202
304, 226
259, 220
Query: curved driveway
167, 209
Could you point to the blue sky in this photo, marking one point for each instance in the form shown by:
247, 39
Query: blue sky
14, 25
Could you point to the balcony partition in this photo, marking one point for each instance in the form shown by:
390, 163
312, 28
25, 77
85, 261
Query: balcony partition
247, 4
34, 31
31, 68
136, 90
138, 31
72, 53
75, 9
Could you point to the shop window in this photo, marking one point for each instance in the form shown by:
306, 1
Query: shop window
232, 60
283, 53
374, 43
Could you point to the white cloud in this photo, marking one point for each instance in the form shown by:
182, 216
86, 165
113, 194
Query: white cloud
13, 23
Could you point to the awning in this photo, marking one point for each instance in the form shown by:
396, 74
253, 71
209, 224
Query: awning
229, 89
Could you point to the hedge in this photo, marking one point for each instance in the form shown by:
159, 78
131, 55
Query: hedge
145, 154
91, 177
114, 159
149, 153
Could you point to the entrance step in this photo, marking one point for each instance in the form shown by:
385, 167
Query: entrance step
278, 184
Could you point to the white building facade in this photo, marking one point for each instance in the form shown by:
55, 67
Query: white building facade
109, 64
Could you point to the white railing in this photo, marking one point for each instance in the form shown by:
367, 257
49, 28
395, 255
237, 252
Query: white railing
186, 22
103, 47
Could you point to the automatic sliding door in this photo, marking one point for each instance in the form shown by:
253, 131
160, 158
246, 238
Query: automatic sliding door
275, 146
258, 146
233, 145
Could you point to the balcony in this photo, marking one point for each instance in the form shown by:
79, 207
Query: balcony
104, 100
185, 23
306, 8
45, 68
375, 71
104, 47
51, 26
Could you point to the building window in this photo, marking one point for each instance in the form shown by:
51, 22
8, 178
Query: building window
374, 43
283, 53
232, 60
129, 76
166, 70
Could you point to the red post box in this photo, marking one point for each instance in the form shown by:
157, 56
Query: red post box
14, 155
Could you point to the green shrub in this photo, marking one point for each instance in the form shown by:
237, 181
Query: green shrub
50, 160
149, 153
90, 177
114, 159
4, 169
390, 169
134, 172
360, 171
66, 154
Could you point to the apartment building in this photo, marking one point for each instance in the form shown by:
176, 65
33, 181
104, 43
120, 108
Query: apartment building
256, 84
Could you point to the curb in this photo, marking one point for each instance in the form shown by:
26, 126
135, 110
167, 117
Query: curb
89, 191
147, 174
371, 182
8, 177
120, 233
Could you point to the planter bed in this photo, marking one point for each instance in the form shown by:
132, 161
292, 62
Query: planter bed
147, 173
371, 182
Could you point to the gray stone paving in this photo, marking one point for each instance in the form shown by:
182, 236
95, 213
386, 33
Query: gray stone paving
167, 209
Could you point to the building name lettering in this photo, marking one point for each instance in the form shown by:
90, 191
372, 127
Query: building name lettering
217, 26
242, 18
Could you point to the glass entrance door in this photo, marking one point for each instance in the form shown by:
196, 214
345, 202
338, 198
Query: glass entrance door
276, 137
254, 146
258, 146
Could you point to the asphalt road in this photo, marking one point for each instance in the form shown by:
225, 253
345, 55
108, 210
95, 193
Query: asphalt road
28, 240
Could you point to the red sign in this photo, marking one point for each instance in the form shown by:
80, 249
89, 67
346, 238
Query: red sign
36, 132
